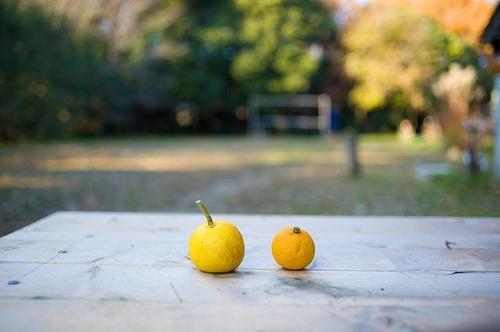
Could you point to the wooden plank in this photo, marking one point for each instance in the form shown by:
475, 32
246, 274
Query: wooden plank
171, 282
402, 244
68, 315
130, 271
332, 255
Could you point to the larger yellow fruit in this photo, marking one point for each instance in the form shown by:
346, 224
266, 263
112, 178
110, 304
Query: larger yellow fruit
216, 246
293, 248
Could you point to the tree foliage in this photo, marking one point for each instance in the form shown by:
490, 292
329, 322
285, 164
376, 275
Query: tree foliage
50, 75
80, 67
393, 55
221, 51
463, 18
69, 69
278, 44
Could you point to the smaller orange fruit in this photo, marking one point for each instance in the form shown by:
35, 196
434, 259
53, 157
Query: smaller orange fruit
293, 248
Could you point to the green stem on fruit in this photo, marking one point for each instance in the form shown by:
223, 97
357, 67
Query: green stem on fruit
296, 230
205, 212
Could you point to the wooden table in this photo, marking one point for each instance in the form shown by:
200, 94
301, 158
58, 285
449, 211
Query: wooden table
84, 271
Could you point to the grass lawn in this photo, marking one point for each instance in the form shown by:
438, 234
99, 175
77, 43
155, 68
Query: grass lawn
231, 174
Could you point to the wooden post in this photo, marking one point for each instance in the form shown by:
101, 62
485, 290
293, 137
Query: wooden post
472, 142
353, 165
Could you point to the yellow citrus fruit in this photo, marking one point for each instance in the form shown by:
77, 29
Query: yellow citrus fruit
293, 248
216, 246
217, 249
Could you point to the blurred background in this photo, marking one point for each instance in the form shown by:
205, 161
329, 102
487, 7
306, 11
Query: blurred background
373, 107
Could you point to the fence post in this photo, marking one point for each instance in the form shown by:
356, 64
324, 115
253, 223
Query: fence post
351, 142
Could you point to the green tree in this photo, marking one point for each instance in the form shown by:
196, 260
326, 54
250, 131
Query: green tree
76, 69
218, 52
50, 75
280, 44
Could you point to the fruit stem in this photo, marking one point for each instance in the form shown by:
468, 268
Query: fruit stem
205, 212
296, 230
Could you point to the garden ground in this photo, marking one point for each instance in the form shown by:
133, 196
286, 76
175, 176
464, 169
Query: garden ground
233, 175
